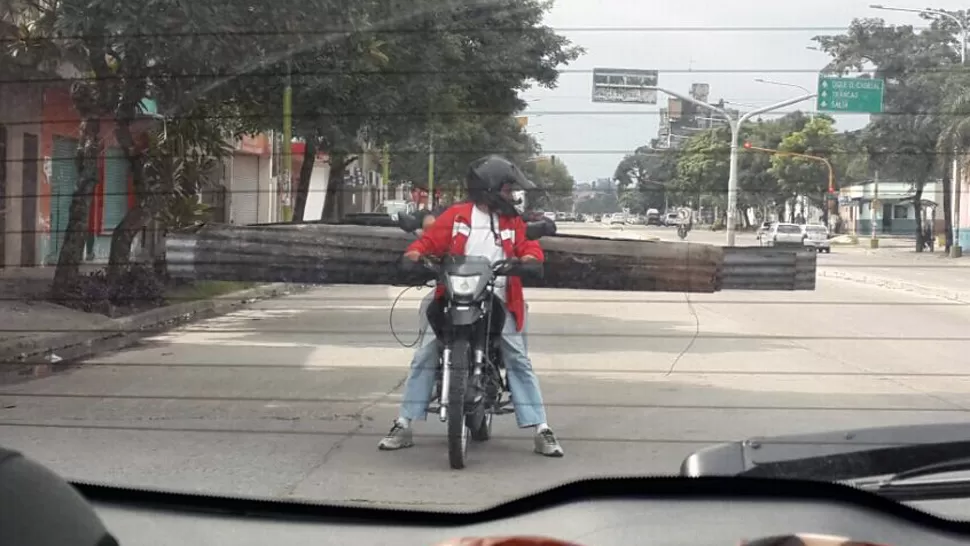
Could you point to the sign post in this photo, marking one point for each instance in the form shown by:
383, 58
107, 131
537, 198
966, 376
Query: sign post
625, 86
850, 95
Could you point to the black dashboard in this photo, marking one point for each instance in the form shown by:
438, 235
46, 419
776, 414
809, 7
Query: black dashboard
602, 522
665, 520
40, 508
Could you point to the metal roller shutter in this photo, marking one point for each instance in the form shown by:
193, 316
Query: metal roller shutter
63, 182
244, 190
115, 188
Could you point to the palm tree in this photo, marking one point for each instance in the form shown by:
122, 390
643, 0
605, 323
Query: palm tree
954, 144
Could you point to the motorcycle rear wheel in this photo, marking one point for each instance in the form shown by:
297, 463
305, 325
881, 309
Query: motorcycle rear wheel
458, 432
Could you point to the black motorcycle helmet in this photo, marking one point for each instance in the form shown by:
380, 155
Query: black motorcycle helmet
491, 180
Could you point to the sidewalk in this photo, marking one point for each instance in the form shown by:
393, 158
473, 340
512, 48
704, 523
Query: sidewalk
929, 274
37, 336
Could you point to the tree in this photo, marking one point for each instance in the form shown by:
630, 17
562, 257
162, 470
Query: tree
903, 141
183, 55
645, 167
36, 22
459, 143
603, 203
556, 182
453, 77
703, 166
800, 176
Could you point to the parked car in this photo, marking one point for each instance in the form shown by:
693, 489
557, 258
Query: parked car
817, 237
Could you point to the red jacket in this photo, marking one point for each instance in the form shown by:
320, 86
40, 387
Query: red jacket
449, 233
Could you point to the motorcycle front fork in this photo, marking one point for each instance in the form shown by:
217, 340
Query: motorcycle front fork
477, 361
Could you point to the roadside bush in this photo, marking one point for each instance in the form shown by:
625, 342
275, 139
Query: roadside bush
138, 288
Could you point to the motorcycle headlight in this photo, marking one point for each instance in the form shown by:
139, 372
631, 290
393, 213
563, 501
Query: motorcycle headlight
463, 285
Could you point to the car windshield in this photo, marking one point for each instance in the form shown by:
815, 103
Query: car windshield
203, 290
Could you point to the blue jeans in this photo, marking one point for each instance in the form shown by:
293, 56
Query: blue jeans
529, 408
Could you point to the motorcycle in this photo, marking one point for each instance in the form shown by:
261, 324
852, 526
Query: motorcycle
471, 385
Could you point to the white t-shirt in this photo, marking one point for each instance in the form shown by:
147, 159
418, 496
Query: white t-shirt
482, 242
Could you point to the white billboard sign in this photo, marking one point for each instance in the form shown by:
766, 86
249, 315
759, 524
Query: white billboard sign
625, 86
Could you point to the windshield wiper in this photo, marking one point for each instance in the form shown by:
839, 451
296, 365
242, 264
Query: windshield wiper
954, 488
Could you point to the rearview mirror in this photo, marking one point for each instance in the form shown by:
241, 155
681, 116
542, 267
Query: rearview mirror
539, 229
408, 222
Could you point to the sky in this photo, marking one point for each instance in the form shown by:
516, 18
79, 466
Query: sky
702, 41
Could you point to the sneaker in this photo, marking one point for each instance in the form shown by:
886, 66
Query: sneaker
399, 437
547, 444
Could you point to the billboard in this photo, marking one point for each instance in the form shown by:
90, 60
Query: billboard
675, 109
624, 86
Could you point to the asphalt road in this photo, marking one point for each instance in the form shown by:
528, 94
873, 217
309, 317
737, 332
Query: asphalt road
290, 397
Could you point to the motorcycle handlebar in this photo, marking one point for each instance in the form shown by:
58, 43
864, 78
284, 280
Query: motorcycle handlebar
534, 230
519, 268
512, 267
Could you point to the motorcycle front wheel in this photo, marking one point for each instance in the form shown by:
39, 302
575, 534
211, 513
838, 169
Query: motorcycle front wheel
457, 387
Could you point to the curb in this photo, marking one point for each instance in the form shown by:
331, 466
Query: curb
896, 284
19, 356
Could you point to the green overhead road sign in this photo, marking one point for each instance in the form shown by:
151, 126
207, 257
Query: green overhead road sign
856, 95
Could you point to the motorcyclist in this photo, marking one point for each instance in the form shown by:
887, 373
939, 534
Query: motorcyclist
486, 225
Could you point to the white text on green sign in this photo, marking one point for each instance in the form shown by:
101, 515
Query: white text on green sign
850, 95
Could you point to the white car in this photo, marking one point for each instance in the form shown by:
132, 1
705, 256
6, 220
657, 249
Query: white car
817, 237
783, 234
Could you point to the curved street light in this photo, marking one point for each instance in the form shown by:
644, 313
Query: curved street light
785, 84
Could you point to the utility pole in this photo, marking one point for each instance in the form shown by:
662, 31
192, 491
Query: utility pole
873, 208
735, 123
287, 174
430, 169
385, 169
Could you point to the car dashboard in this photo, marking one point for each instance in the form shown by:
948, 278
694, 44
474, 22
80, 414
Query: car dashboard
597, 521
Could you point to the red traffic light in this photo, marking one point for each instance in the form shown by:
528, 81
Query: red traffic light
747, 145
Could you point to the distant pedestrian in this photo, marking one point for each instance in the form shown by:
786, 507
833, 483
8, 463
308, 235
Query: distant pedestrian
928, 235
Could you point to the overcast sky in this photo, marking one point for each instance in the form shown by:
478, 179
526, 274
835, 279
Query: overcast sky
592, 138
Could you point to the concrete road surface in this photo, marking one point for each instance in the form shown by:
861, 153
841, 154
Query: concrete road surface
290, 397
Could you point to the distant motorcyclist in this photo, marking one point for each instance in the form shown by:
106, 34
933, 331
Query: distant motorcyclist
486, 225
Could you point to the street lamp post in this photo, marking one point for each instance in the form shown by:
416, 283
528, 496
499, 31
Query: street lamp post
941, 13
786, 84
735, 124
957, 183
